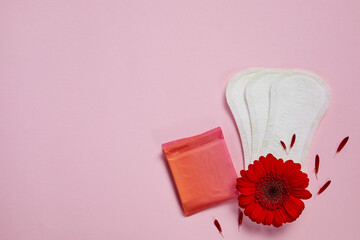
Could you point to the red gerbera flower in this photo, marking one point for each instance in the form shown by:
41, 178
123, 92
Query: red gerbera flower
271, 191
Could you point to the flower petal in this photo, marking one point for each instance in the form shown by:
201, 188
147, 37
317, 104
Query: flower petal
261, 217
251, 175
295, 177
246, 190
297, 168
301, 193
279, 167
283, 218
243, 201
301, 182
266, 164
242, 183
269, 217
271, 157
287, 216
243, 176
249, 209
296, 203
291, 210
256, 212
277, 219
289, 168
259, 169
272, 161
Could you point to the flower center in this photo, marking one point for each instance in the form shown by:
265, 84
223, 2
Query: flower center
271, 192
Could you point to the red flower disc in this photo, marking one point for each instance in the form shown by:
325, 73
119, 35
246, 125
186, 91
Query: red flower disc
271, 191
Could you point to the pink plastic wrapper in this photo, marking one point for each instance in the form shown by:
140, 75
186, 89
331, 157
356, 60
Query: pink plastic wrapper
202, 169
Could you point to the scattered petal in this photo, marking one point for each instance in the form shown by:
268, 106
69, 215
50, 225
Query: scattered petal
322, 189
217, 225
240, 219
317, 162
293, 141
283, 145
342, 144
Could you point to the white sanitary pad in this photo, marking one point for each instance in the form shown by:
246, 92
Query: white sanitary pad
235, 95
271, 105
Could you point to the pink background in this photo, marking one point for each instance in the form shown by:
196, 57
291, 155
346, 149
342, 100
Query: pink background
90, 89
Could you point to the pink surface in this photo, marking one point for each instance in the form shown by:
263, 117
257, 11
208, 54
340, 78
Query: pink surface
90, 90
